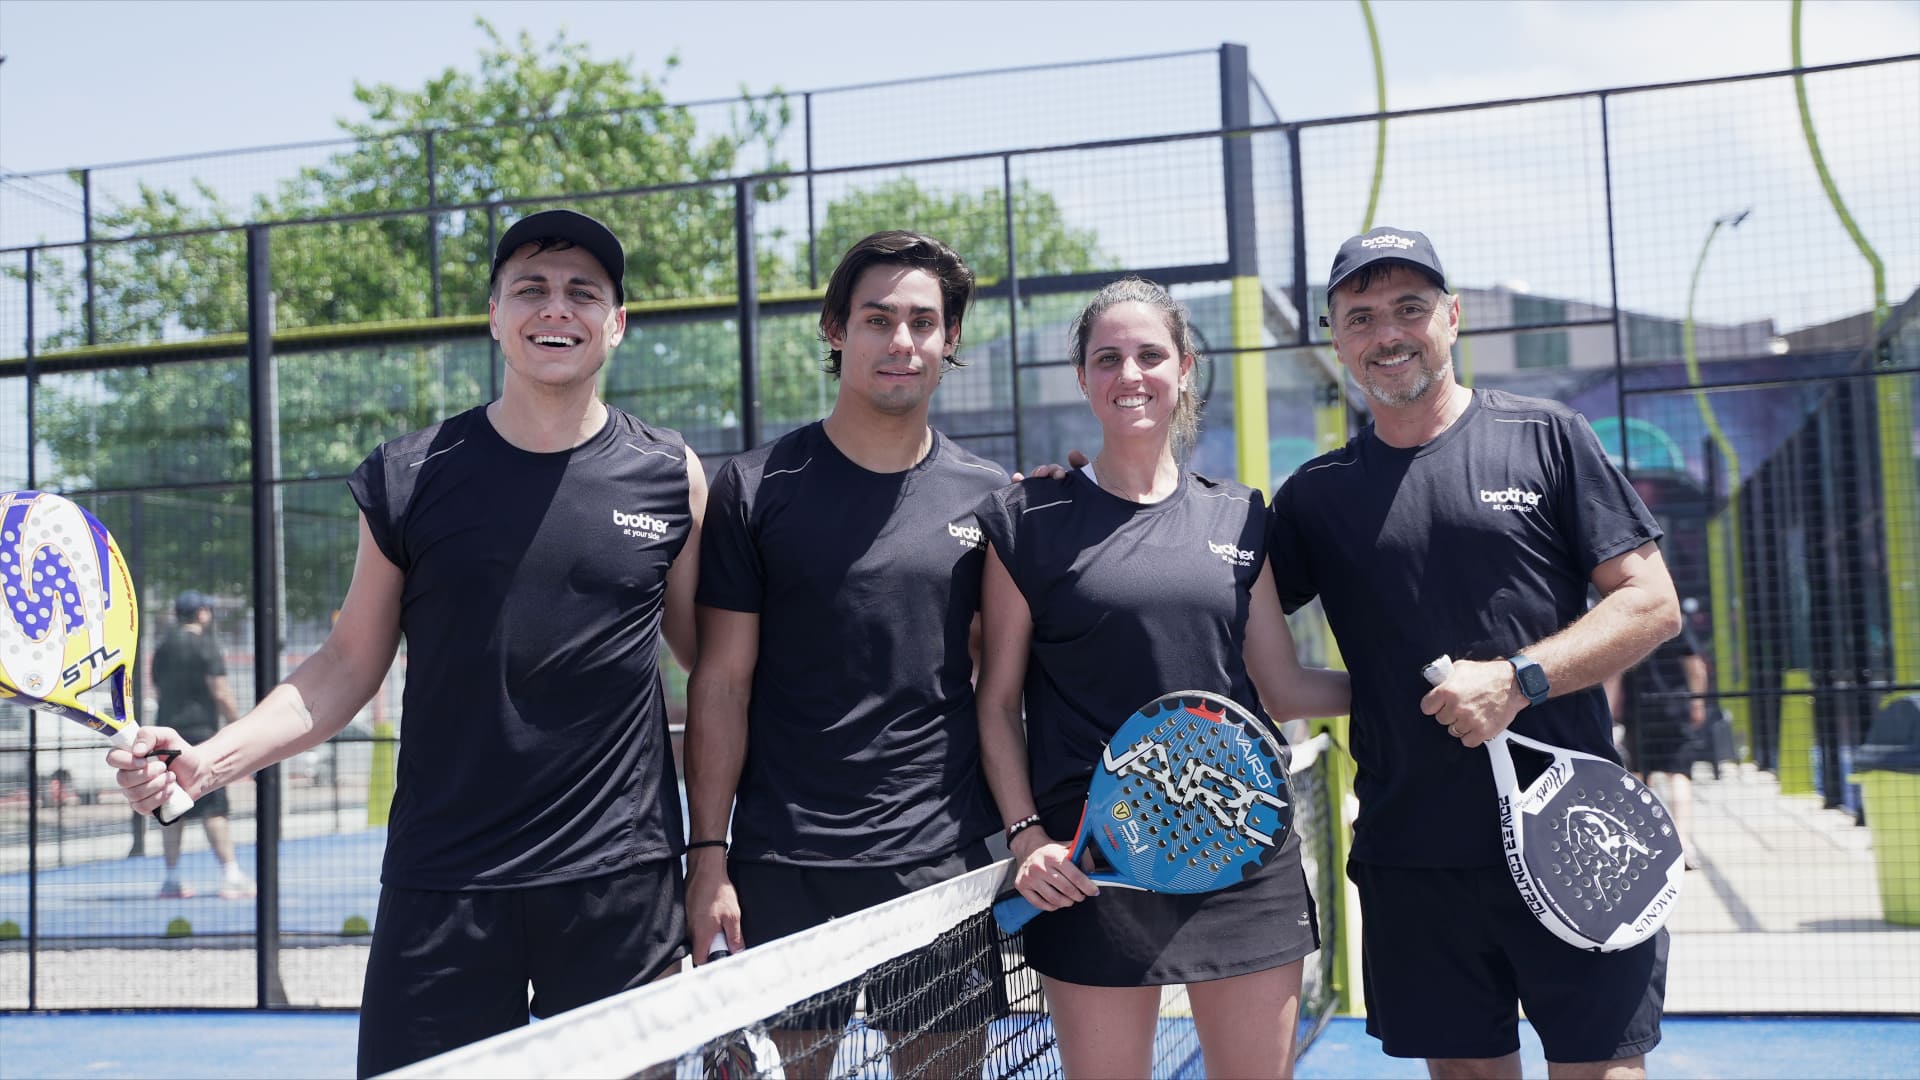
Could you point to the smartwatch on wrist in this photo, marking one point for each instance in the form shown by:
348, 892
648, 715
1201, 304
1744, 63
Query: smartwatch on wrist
1529, 677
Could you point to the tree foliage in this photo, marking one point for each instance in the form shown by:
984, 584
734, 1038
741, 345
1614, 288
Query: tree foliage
528, 123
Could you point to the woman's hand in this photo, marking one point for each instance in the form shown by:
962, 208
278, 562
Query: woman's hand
1047, 876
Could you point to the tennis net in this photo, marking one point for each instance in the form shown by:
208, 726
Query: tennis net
925, 986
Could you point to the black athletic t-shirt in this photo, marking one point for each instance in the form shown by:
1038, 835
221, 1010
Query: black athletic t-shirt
862, 744
534, 729
182, 664
1476, 545
1129, 601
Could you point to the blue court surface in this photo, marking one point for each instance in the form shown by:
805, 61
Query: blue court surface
323, 880
297, 1045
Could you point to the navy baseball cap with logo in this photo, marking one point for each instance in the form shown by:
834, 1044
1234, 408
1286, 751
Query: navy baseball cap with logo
1383, 244
574, 227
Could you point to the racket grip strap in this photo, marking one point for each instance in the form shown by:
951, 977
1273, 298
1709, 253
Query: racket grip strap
176, 807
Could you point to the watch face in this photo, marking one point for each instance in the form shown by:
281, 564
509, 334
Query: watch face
1533, 681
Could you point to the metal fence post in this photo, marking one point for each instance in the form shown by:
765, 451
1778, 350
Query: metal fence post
32, 371
33, 733
813, 254
1253, 455
1013, 307
1302, 301
433, 225
263, 402
747, 278
493, 347
86, 234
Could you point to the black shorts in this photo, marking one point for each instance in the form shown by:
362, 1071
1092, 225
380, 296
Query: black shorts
450, 968
1448, 956
1664, 744
1124, 937
951, 985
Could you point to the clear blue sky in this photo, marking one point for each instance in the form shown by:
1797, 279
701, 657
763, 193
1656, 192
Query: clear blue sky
97, 82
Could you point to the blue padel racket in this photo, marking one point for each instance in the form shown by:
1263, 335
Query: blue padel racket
71, 626
1190, 796
1593, 852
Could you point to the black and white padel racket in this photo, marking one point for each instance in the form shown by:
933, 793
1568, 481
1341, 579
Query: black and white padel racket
1594, 854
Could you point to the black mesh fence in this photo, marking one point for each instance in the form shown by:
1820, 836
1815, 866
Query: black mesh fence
1733, 312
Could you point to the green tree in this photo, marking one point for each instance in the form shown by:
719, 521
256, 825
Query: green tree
529, 122
973, 223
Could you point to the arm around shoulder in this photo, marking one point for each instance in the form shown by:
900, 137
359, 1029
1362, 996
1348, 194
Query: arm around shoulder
1287, 690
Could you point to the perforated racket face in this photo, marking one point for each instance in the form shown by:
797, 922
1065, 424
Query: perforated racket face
68, 619
1603, 854
1190, 795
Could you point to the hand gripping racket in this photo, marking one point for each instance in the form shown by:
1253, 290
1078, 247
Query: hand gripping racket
1592, 851
71, 626
743, 1054
1189, 796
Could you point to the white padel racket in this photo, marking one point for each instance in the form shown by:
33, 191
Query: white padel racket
1594, 854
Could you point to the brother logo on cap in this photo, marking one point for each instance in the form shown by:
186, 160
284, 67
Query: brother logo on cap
1382, 244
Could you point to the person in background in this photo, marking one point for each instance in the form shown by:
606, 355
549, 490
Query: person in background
1662, 704
190, 680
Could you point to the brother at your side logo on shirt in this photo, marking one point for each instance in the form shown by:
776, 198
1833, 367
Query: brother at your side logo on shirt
1231, 553
969, 536
640, 525
1513, 498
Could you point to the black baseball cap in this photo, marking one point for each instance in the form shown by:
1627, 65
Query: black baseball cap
574, 227
1383, 244
189, 603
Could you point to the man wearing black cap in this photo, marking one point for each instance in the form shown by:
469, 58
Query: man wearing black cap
1470, 523
190, 678
532, 552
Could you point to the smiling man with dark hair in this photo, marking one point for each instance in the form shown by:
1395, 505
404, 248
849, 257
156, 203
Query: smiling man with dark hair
533, 552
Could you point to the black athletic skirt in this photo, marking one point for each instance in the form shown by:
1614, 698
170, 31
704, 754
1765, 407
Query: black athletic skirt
1124, 937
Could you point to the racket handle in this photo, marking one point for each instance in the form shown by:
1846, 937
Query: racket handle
717, 949
1437, 671
1013, 913
178, 801
176, 807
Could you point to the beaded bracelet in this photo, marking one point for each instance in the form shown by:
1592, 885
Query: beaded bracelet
1024, 823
